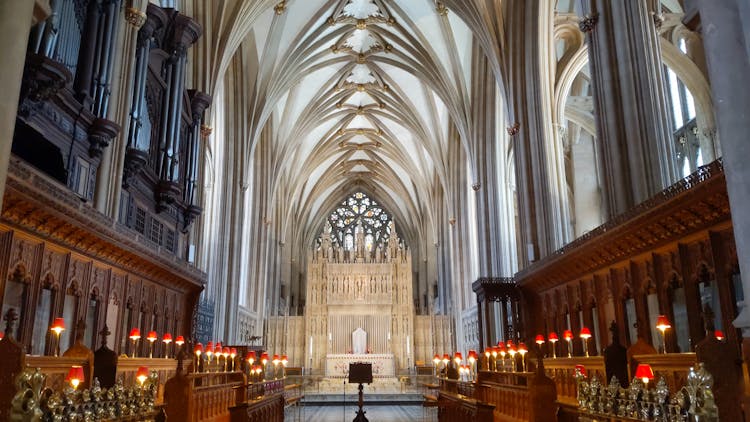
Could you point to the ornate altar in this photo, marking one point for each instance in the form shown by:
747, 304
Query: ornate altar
359, 288
337, 366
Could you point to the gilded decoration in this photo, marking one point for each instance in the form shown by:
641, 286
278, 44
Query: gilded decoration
36, 402
135, 17
694, 401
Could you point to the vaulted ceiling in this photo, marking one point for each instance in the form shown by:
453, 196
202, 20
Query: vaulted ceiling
360, 95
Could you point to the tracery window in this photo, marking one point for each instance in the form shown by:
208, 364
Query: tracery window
682, 105
359, 208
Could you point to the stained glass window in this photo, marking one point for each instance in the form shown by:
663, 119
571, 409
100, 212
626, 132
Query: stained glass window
355, 209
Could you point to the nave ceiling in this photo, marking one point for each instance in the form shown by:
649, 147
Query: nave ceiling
355, 95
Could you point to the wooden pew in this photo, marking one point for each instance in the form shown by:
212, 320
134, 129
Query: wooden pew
454, 407
265, 409
203, 396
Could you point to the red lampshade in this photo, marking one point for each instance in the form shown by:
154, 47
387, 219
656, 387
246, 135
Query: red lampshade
458, 357
250, 357
264, 358
446, 358
581, 369
487, 351
472, 355
167, 338
511, 348
135, 334
233, 352
539, 339
58, 325
585, 333
75, 376
284, 360
719, 335
152, 336
436, 359
644, 372
198, 349
142, 374
522, 349
568, 335
217, 348
226, 351
180, 340
553, 337
2, 335
662, 323
500, 345
509, 344
210, 348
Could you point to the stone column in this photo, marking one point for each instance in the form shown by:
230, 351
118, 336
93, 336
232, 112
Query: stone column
721, 26
529, 130
16, 18
634, 141
485, 181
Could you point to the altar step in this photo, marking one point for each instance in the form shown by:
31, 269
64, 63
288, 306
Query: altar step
370, 399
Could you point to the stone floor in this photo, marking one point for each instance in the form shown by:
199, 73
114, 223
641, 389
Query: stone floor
379, 413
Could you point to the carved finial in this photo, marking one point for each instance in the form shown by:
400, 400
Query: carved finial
80, 330
280, 8
441, 9
708, 319
615, 330
135, 17
540, 362
588, 22
206, 131
10, 319
104, 333
658, 20
513, 130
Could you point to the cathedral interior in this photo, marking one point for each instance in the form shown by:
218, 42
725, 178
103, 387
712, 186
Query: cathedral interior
485, 210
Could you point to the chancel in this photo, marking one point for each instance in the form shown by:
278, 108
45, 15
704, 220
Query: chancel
529, 210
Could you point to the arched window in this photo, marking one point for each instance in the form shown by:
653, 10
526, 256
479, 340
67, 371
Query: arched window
113, 314
16, 295
43, 316
92, 319
652, 306
709, 294
70, 315
682, 106
360, 209
679, 309
631, 319
595, 326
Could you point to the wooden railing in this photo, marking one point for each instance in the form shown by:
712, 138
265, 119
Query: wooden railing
512, 396
459, 408
266, 409
204, 396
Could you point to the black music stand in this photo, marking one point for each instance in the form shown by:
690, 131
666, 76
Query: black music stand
360, 373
